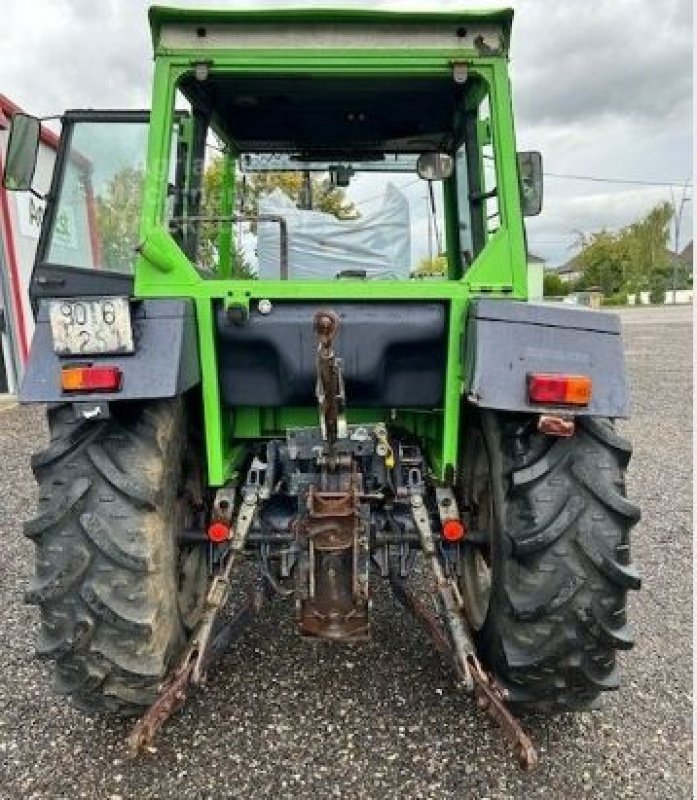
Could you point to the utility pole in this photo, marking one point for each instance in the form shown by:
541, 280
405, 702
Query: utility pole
430, 232
306, 191
677, 220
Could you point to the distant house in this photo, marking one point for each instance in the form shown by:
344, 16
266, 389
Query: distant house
20, 223
536, 271
680, 264
533, 259
687, 257
569, 272
683, 260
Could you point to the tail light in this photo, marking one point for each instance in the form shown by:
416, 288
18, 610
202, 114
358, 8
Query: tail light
553, 389
90, 378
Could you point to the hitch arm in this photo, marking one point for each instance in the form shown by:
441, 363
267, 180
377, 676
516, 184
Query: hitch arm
456, 643
203, 649
489, 695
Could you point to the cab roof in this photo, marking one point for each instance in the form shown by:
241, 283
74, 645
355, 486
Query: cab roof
160, 16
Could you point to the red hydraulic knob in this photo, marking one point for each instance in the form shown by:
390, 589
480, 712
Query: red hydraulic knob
453, 530
218, 532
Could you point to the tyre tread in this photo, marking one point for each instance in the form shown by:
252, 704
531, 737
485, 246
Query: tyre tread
105, 554
557, 615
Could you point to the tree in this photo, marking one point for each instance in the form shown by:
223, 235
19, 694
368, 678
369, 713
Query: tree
438, 265
633, 259
649, 259
250, 188
601, 261
325, 197
211, 204
554, 286
117, 211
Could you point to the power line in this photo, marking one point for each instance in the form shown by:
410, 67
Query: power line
598, 179
563, 176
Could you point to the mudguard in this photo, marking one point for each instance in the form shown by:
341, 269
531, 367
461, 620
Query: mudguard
506, 340
165, 362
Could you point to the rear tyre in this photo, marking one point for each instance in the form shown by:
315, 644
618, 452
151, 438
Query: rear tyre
116, 594
546, 585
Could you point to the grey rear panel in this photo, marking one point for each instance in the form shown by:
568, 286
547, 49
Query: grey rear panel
165, 362
393, 354
506, 340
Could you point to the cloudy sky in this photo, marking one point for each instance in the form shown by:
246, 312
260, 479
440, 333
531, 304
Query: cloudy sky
602, 87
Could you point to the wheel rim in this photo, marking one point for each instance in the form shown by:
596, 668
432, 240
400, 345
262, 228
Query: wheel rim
192, 570
193, 574
476, 586
475, 564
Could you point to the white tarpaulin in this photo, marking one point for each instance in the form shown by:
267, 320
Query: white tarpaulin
322, 246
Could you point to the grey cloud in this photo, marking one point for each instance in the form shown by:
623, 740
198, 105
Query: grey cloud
601, 60
603, 87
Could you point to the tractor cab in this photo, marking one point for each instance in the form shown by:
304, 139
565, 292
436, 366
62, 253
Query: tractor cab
407, 153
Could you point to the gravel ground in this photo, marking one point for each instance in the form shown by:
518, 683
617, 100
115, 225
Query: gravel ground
282, 718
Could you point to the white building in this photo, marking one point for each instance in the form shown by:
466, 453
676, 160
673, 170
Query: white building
20, 223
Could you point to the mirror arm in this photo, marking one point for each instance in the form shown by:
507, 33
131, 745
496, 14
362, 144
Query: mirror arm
477, 197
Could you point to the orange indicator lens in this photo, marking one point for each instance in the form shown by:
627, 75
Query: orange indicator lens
572, 390
91, 379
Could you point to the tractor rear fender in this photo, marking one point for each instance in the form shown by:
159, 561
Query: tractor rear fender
507, 340
165, 362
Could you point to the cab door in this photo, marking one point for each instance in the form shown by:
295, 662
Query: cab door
90, 228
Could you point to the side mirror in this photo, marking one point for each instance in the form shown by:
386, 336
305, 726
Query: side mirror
434, 166
22, 152
530, 170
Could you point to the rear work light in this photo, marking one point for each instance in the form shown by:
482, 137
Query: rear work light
559, 390
89, 378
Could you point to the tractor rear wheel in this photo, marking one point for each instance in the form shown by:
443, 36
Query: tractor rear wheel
117, 595
545, 578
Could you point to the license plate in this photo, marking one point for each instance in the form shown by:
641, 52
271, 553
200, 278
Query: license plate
91, 326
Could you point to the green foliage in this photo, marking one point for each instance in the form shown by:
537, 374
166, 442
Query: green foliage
211, 206
633, 259
325, 197
648, 256
438, 265
602, 261
657, 288
554, 286
117, 211
619, 299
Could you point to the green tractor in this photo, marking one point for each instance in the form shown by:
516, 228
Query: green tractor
282, 319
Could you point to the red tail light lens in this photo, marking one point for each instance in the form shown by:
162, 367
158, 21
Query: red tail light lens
572, 390
91, 378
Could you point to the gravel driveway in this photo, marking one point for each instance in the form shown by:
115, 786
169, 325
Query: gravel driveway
282, 718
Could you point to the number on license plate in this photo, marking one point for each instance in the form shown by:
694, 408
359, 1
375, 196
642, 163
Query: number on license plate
91, 326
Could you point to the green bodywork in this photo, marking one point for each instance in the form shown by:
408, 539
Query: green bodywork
164, 271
